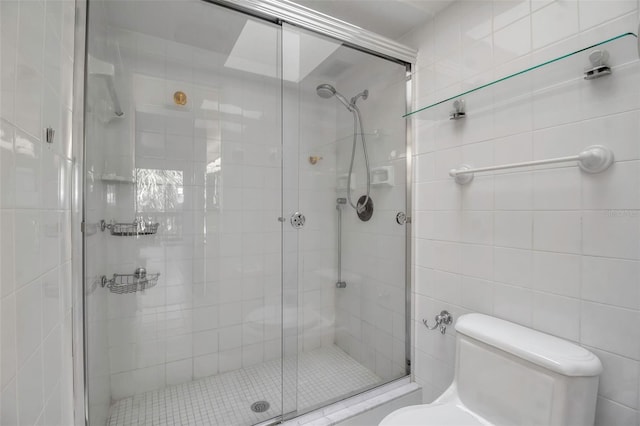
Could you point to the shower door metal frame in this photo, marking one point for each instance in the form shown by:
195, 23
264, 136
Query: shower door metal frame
328, 26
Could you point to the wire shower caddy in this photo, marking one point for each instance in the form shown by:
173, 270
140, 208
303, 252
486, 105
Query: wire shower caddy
130, 283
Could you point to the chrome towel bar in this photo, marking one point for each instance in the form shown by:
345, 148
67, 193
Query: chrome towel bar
594, 159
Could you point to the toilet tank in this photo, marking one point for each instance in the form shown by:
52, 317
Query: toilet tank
513, 375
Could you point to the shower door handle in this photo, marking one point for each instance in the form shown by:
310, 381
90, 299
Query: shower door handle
297, 220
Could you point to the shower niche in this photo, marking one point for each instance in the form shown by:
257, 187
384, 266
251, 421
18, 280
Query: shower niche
221, 140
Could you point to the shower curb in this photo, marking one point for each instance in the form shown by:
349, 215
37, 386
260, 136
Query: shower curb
345, 410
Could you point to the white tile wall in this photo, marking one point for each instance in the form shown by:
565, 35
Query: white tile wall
36, 58
551, 248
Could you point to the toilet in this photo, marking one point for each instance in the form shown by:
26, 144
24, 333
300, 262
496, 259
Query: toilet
507, 374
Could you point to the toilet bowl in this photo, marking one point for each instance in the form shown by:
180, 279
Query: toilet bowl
507, 374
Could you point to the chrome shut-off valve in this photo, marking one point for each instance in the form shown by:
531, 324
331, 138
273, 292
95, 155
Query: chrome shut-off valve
443, 319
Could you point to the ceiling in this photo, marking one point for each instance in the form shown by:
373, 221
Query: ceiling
390, 18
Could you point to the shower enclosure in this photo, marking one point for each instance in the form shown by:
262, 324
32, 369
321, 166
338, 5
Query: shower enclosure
212, 174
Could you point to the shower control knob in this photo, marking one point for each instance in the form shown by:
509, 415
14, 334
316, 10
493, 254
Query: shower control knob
401, 218
297, 220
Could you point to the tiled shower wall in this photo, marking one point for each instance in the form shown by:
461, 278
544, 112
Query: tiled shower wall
36, 70
552, 248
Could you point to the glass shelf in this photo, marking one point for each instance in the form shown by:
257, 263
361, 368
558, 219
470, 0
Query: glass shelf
570, 67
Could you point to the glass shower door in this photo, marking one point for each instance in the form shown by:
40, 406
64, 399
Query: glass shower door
183, 242
344, 273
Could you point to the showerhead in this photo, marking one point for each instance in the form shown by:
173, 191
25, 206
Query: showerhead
326, 91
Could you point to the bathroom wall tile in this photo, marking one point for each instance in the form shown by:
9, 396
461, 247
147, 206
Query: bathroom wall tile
148, 379
206, 365
611, 233
554, 22
592, 13
609, 189
611, 281
51, 301
29, 389
477, 295
9, 404
28, 171
7, 164
52, 360
205, 342
513, 304
556, 273
513, 191
557, 315
513, 266
230, 360
610, 412
28, 320
178, 372
619, 379
596, 330
8, 354
546, 237
513, 229
477, 227
477, 261
514, 40
448, 256
557, 189
7, 253
620, 130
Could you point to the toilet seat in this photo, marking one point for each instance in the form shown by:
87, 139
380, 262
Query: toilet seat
432, 415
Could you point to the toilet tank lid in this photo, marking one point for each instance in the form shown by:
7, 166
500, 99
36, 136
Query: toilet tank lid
547, 351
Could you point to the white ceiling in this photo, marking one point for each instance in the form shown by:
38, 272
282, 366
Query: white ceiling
390, 18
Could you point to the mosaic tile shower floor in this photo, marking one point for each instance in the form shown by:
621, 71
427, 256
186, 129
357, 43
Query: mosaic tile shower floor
225, 399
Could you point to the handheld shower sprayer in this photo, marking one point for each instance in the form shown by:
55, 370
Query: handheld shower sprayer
364, 206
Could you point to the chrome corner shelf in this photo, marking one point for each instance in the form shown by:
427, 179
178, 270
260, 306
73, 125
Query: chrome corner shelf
137, 227
130, 283
625, 47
